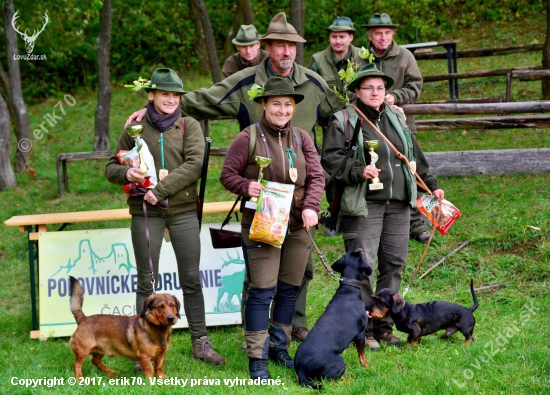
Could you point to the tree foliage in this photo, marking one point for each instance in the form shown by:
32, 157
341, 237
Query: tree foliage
146, 35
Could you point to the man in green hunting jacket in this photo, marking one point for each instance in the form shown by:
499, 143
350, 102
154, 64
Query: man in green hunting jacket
248, 51
230, 97
335, 57
400, 64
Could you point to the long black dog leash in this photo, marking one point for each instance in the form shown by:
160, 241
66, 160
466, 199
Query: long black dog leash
163, 205
342, 280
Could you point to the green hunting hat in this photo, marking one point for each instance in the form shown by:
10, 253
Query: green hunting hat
165, 79
380, 20
341, 24
279, 86
280, 29
247, 35
369, 70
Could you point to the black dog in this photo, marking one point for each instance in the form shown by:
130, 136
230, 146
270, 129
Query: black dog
343, 321
426, 318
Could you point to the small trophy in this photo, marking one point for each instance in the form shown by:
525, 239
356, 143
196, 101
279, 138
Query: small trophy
372, 145
262, 163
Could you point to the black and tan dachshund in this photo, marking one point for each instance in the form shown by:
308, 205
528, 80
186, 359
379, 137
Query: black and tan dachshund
423, 319
343, 321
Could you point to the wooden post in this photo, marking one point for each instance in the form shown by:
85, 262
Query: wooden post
546, 54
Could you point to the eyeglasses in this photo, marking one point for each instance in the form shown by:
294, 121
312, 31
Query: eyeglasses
371, 89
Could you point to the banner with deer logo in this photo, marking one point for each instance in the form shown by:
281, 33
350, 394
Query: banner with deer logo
103, 261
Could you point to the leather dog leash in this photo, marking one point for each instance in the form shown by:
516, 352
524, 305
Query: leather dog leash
420, 182
151, 271
343, 280
399, 155
163, 205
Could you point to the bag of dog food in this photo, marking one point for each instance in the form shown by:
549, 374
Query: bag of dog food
431, 208
140, 157
270, 221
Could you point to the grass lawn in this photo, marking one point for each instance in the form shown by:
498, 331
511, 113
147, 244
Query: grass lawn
506, 219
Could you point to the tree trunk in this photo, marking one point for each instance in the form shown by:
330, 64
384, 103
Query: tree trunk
209, 40
5, 82
297, 19
7, 177
16, 94
200, 48
546, 55
228, 48
245, 6
101, 141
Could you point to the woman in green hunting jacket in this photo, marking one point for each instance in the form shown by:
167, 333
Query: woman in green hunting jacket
376, 219
177, 146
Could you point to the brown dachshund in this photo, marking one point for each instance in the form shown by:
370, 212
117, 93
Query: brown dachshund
144, 337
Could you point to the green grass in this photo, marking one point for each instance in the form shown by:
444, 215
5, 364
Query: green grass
506, 219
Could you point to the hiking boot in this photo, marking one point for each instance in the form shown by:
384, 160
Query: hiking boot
258, 368
299, 334
281, 357
389, 338
371, 342
204, 350
423, 237
243, 346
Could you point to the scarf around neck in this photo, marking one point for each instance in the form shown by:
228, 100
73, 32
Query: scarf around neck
162, 122
270, 128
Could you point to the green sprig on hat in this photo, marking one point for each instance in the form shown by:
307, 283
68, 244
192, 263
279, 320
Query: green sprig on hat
350, 73
140, 83
255, 91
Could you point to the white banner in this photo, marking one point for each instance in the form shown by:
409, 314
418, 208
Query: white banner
103, 261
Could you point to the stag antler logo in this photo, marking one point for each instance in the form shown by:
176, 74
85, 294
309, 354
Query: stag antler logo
29, 40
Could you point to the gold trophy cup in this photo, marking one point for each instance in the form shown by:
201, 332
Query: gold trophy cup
372, 145
262, 163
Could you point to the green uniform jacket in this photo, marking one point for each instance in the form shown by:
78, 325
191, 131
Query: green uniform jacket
182, 158
392, 175
321, 63
400, 64
235, 63
229, 97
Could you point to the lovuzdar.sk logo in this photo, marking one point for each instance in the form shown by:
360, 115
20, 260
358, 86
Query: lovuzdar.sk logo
29, 40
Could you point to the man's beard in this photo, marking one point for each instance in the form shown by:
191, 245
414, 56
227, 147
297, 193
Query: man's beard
286, 64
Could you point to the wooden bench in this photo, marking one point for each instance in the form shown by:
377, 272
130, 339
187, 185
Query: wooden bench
39, 222
62, 159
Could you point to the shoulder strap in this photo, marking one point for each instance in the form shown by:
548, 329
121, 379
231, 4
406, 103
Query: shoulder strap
228, 217
182, 126
251, 141
346, 126
399, 155
298, 138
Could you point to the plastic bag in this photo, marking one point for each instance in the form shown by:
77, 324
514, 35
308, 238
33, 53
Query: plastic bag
430, 207
139, 157
270, 221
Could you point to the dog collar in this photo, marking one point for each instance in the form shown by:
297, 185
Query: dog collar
351, 282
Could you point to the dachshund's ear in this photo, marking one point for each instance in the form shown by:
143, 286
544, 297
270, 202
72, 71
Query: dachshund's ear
147, 305
178, 305
398, 303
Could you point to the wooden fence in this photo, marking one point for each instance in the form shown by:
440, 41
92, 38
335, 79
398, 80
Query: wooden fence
481, 162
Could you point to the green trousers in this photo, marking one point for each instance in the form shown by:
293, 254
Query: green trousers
184, 236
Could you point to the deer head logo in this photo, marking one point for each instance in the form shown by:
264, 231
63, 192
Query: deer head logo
29, 40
